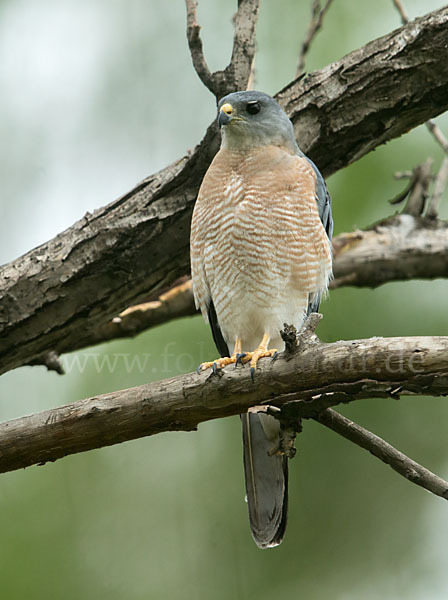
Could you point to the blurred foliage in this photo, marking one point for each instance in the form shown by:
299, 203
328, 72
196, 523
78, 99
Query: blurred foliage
95, 96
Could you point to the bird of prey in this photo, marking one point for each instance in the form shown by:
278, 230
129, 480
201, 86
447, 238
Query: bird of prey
260, 258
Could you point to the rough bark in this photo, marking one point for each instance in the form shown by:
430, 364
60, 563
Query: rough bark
382, 89
315, 377
56, 294
400, 248
397, 249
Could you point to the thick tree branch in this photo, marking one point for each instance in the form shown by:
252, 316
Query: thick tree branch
399, 248
442, 176
175, 303
317, 376
361, 83
399, 462
54, 296
396, 249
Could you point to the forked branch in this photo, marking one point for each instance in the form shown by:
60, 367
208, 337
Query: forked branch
238, 72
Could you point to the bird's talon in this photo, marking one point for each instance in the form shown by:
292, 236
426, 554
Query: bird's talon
274, 356
252, 374
239, 358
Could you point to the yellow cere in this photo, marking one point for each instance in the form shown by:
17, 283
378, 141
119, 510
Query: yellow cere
227, 108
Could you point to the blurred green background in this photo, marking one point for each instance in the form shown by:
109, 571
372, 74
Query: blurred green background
95, 96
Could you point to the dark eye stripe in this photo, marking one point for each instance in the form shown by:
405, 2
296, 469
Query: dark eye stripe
253, 107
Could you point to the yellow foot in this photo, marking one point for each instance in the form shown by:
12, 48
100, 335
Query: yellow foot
239, 357
219, 363
254, 357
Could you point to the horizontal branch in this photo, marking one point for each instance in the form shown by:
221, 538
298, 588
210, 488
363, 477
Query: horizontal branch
54, 296
315, 377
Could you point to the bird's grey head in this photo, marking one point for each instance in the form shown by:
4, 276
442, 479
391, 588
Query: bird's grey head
249, 119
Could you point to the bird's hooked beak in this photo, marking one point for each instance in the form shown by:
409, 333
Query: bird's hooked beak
225, 114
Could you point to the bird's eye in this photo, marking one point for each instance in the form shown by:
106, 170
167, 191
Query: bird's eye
253, 107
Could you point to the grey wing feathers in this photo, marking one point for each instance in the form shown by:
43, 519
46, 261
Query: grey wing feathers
323, 200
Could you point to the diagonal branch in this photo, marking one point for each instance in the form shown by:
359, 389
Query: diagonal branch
175, 303
315, 377
396, 249
399, 462
138, 245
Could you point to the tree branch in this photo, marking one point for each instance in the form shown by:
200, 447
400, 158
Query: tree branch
314, 26
195, 45
55, 295
315, 377
175, 303
361, 81
399, 248
399, 462
442, 175
237, 73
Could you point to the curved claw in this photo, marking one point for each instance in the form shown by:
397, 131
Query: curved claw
214, 368
239, 358
274, 356
252, 374
199, 369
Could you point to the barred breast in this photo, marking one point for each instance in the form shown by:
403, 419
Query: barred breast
258, 247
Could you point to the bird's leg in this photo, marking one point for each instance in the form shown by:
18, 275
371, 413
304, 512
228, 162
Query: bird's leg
219, 363
260, 352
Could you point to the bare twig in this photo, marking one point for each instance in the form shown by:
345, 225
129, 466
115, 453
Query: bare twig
417, 190
314, 26
442, 175
439, 189
239, 72
441, 178
399, 462
400, 8
51, 361
318, 376
195, 45
438, 135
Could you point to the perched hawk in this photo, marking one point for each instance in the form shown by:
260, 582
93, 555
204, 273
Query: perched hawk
260, 257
